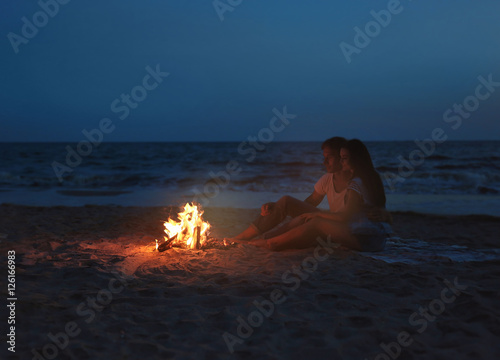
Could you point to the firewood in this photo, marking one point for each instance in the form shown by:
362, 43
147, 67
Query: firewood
198, 235
167, 244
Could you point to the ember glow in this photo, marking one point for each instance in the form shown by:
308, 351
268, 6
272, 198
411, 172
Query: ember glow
187, 230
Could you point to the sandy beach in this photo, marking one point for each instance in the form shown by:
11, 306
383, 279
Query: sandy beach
89, 285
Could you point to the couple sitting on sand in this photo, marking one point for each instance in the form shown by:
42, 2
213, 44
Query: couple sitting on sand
357, 218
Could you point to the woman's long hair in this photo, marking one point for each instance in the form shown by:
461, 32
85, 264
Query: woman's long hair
361, 162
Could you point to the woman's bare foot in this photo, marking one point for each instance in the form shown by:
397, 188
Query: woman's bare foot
234, 240
259, 243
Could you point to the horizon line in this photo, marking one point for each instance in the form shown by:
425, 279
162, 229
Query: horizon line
215, 141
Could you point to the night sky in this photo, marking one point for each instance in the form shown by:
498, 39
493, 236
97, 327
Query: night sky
229, 67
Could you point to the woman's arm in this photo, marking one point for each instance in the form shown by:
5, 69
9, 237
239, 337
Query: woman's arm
354, 205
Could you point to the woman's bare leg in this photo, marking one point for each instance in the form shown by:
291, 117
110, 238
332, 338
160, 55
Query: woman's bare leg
285, 206
305, 235
299, 237
247, 234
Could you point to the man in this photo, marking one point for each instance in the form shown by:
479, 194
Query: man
333, 184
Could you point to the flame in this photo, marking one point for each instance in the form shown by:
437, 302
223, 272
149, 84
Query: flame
185, 230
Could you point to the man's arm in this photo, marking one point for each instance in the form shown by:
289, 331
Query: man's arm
315, 198
354, 203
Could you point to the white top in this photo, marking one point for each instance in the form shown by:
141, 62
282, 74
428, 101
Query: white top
357, 185
324, 186
360, 225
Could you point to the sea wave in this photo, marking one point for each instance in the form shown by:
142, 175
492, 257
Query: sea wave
455, 168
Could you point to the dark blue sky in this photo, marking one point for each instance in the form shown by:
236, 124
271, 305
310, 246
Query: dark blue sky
227, 76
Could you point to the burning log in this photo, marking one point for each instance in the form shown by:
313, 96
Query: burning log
167, 244
198, 236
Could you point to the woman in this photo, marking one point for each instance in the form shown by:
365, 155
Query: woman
365, 197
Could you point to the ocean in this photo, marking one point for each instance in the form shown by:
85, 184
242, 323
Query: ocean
454, 177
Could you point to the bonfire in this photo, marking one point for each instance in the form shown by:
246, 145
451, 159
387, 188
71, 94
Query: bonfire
189, 231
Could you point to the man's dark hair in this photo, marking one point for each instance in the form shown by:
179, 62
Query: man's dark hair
334, 143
